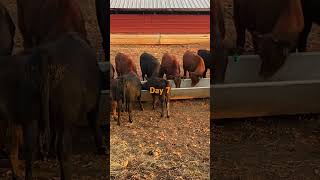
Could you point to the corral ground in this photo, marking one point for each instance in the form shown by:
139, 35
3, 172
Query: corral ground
266, 148
160, 148
86, 165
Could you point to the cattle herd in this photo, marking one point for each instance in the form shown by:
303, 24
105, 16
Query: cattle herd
126, 88
278, 28
56, 79
54, 82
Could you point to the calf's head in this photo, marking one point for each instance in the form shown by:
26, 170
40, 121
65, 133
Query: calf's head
195, 78
176, 80
273, 53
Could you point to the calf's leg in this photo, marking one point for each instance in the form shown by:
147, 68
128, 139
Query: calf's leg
3, 128
204, 73
167, 100
140, 103
119, 111
16, 135
64, 153
93, 121
129, 110
153, 102
303, 37
161, 98
29, 138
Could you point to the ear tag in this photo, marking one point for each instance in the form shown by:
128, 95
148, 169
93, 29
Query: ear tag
236, 57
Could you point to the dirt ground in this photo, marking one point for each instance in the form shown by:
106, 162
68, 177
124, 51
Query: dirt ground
160, 148
266, 148
86, 164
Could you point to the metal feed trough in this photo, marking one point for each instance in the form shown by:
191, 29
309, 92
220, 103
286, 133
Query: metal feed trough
294, 89
201, 90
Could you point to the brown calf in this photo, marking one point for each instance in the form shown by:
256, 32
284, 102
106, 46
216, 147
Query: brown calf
171, 67
124, 64
194, 64
275, 27
45, 20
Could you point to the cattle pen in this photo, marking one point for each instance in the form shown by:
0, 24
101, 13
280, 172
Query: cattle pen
152, 147
267, 147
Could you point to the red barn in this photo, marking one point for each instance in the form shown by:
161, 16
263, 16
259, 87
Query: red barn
160, 16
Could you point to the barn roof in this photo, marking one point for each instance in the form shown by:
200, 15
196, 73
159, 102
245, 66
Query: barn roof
161, 5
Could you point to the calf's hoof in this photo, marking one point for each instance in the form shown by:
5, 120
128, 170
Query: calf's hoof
168, 116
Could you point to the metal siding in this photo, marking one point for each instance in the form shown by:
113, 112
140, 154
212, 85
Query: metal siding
159, 4
171, 24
